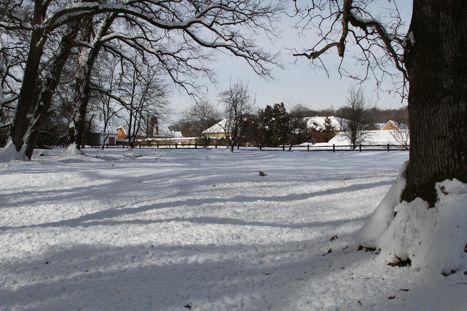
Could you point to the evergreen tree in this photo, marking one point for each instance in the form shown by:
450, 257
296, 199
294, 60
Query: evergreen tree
275, 126
265, 126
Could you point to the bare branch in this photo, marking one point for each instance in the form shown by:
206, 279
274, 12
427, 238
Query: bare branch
379, 39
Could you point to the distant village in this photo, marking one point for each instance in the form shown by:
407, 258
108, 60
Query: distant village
269, 127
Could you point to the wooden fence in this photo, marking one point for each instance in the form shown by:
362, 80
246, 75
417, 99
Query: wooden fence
306, 148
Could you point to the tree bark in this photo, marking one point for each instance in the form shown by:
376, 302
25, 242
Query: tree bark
28, 86
86, 62
43, 104
435, 60
82, 100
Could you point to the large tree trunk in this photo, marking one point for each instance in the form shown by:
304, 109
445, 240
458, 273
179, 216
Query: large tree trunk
28, 87
86, 62
49, 85
82, 100
435, 58
82, 81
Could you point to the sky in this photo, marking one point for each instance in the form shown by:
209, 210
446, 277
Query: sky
298, 82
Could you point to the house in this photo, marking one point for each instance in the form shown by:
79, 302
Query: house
121, 133
390, 126
167, 133
375, 137
158, 135
218, 130
318, 123
394, 125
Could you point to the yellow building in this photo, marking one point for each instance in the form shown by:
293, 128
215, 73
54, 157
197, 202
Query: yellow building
390, 126
121, 133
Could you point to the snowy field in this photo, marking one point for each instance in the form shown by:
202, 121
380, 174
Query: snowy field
201, 230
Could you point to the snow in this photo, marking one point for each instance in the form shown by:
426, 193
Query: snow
376, 137
438, 235
9, 153
168, 133
72, 151
142, 229
383, 215
318, 123
219, 127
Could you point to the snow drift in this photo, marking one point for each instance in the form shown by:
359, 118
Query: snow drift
433, 239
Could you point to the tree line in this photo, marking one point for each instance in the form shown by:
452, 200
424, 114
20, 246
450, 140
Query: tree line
275, 125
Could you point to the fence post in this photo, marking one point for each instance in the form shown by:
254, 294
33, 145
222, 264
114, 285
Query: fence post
283, 147
360, 148
215, 146
307, 147
238, 146
196, 146
388, 147
333, 147
259, 147
157, 145
176, 145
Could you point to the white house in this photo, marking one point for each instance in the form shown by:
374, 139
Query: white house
218, 130
377, 137
318, 123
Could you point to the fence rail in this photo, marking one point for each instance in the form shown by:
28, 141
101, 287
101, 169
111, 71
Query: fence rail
305, 148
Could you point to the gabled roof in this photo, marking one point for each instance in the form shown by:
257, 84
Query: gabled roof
219, 127
121, 128
394, 125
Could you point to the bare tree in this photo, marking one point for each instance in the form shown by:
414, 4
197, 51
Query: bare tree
143, 94
379, 40
176, 34
201, 115
106, 78
401, 135
357, 112
237, 103
91, 39
12, 59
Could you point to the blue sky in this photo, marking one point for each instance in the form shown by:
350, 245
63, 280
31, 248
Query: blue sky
298, 82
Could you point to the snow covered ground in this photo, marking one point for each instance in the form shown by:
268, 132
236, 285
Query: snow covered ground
201, 230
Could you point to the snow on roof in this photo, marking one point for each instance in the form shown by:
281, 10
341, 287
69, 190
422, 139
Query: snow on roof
318, 122
219, 127
396, 124
166, 132
120, 128
378, 137
177, 134
379, 126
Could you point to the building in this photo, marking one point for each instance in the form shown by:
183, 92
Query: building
218, 130
394, 125
318, 123
152, 127
121, 133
